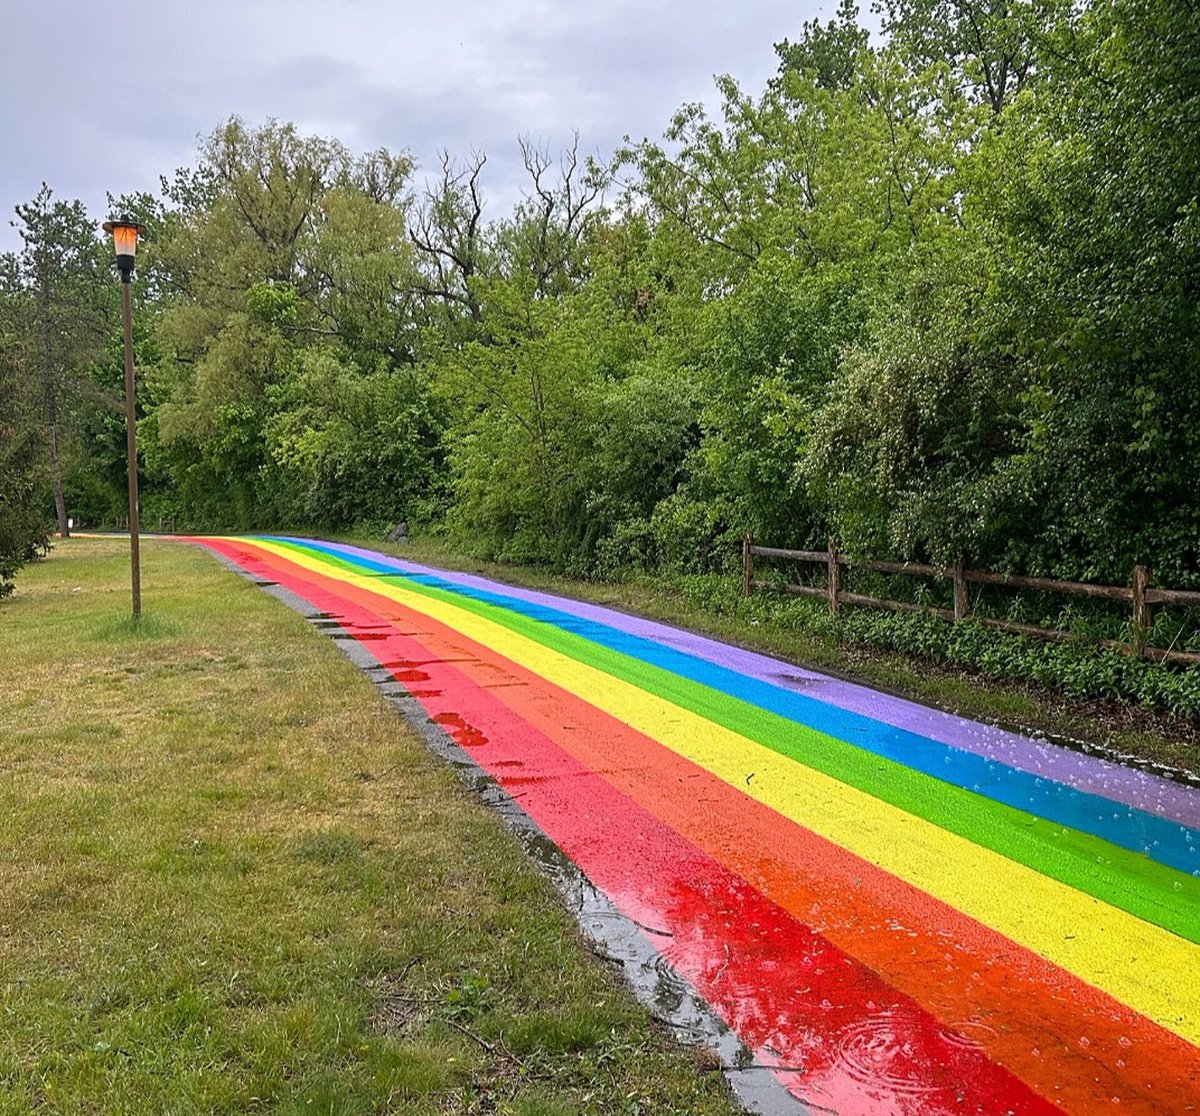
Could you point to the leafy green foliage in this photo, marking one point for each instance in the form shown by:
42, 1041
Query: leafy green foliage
345, 446
24, 527
283, 388
828, 54
931, 295
56, 309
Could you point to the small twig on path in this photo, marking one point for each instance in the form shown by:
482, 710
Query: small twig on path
724, 966
652, 929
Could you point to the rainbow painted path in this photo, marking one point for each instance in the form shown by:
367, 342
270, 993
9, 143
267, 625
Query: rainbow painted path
900, 910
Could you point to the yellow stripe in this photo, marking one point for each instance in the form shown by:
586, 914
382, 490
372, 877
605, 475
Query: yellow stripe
1150, 969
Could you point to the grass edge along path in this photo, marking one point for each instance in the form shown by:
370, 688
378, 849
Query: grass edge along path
231, 878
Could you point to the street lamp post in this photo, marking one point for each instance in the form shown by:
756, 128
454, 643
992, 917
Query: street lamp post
125, 235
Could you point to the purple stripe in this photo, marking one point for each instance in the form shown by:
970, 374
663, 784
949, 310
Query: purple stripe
1111, 780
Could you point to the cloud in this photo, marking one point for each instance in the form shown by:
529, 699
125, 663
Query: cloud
99, 96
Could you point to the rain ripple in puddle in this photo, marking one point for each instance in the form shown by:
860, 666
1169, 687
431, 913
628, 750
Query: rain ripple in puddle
872, 1053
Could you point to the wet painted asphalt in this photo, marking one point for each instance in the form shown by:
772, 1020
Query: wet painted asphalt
898, 910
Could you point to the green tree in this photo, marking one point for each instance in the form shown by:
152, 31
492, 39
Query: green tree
58, 304
284, 254
1092, 192
992, 46
828, 55
805, 210
518, 380
24, 529
1031, 396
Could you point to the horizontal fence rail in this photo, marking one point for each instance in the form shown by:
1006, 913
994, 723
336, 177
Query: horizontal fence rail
1139, 594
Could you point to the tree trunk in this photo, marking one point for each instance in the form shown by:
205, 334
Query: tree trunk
60, 503
50, 392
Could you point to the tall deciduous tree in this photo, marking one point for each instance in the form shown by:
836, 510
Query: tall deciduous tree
993, 46
291, 313
829, 54
518, 379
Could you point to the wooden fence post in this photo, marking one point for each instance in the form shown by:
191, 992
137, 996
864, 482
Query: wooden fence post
747, 565
962, 603
834, 578
1141, 610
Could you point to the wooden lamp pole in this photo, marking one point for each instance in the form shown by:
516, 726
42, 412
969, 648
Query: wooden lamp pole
125, 235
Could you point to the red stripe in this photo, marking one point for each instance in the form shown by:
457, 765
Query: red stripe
786, 991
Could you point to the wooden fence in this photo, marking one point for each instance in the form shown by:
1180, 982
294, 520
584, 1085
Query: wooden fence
1139, 594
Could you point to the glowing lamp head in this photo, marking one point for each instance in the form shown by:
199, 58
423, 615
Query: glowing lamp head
125, 235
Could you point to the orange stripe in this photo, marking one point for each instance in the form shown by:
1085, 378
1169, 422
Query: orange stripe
898, 931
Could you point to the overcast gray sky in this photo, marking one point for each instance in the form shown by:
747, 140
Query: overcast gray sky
98, 96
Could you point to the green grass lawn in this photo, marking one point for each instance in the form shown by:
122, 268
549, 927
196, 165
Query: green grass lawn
232, 880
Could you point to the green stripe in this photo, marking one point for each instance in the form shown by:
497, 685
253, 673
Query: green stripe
1114, 875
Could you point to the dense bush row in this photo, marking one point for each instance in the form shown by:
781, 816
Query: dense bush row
1076, 668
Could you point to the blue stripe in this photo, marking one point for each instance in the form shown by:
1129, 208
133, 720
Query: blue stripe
1166, 841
